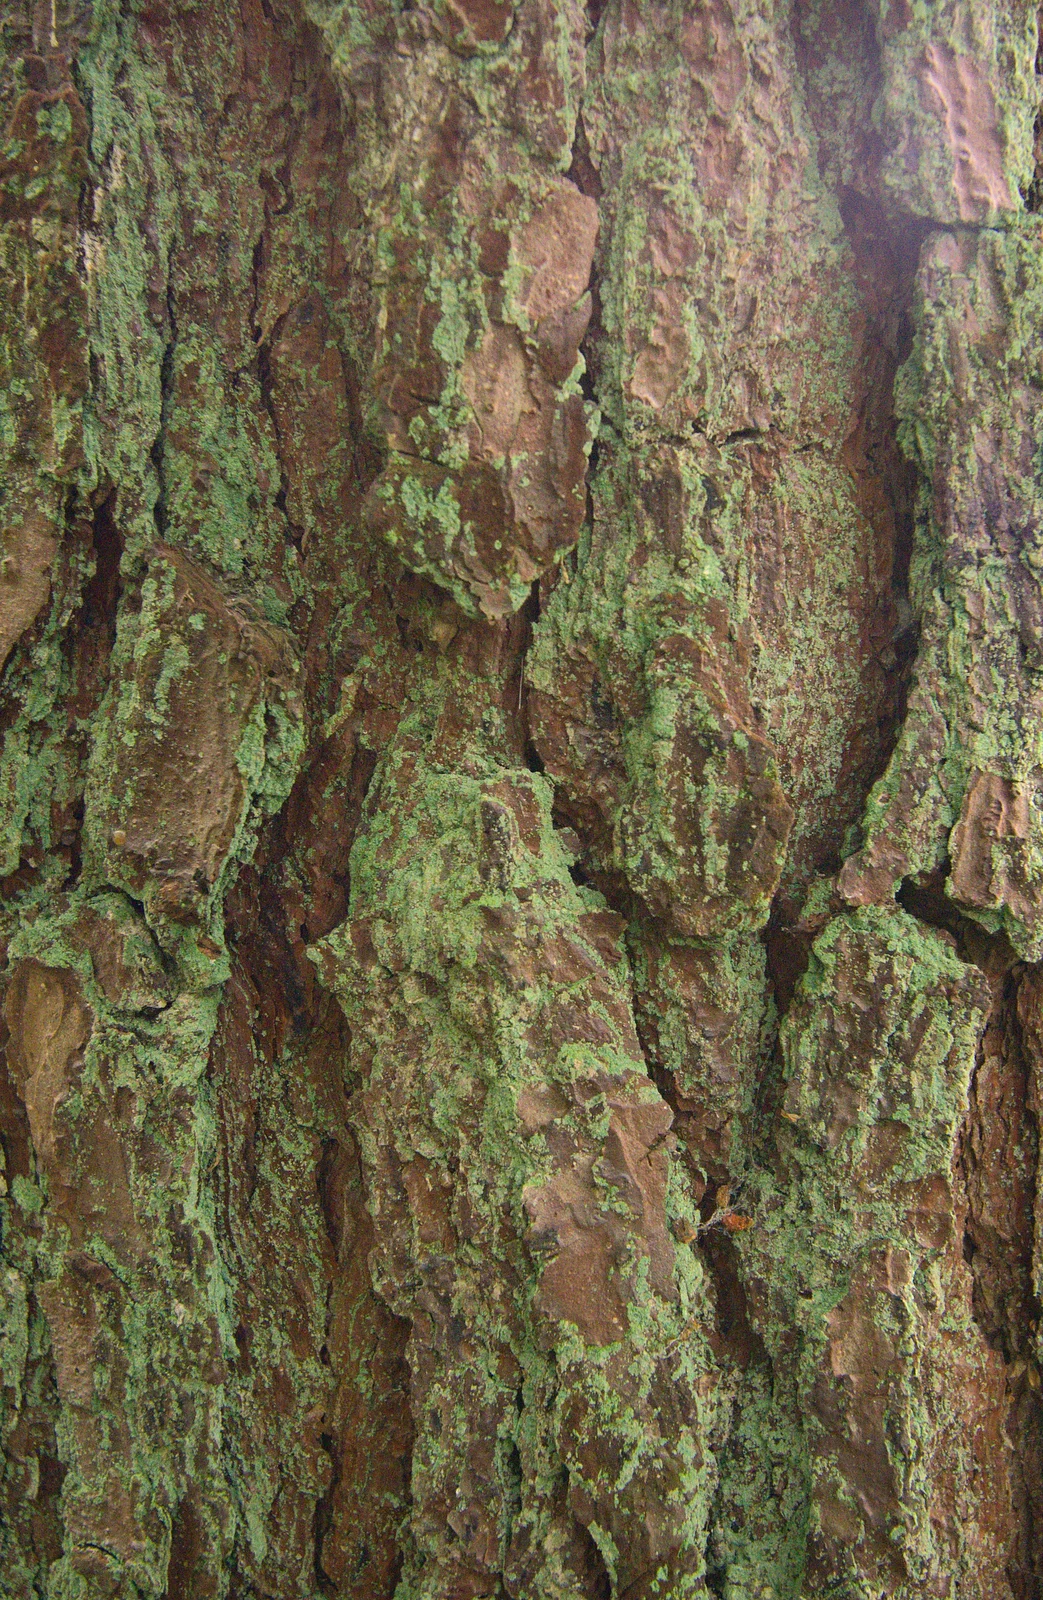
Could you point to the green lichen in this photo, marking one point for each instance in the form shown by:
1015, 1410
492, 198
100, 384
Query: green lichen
464, 1043
976, 684
877, 1053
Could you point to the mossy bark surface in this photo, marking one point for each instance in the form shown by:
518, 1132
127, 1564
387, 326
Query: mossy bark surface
521, 800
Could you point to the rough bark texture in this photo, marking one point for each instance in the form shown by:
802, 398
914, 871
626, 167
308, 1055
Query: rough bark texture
521, 800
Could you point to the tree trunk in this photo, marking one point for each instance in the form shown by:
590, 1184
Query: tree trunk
521, 802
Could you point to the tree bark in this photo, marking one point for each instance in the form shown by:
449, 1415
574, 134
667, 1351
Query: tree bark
521, 800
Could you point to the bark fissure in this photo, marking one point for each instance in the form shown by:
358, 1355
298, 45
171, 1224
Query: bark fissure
157, 452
